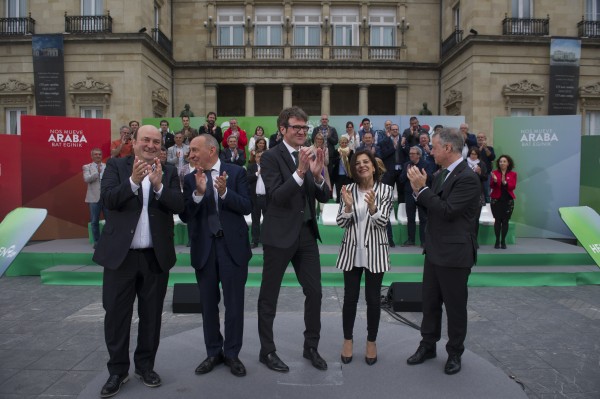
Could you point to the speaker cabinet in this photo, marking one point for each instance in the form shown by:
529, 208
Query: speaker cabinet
186, 298
406, 297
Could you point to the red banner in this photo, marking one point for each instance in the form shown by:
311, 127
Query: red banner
10, 173
54, 151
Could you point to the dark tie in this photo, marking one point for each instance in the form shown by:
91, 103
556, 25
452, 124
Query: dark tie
439, 180
307, 214
214, 224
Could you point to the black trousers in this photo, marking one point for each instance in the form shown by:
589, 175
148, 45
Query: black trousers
411, 212
220, 268
304, 256
372, 296
448, 286
259, 207
139, 275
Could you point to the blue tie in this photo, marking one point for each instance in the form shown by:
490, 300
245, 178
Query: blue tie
214, 224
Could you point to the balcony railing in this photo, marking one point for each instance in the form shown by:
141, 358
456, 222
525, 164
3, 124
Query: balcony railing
451, 41
307, 53
267, 52
162, 40
88, 24
345, 53
384, 53
17, 26
526, 26
589, 28
229, 53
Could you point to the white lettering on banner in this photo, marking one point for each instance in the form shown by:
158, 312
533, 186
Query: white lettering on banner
595, 248
67, 138
8, 252
537, 137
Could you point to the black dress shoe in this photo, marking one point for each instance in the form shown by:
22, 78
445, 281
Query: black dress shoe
274, 362
421, 355
113, 385
209, 364
452, 365
408, 243
236, 366
392, 244
503, 245
497, 245
317, 361
149, 377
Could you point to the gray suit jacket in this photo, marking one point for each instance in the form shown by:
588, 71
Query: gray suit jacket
92, 178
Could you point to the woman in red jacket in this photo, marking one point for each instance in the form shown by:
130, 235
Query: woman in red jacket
503, 184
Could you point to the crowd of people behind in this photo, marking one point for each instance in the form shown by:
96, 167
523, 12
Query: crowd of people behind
212, 179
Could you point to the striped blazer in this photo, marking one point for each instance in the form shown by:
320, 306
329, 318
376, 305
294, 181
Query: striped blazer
378, 259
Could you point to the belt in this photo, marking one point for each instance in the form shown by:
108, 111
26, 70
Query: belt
218, 234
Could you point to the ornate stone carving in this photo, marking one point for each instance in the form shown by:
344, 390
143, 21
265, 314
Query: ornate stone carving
523, 94
15, 93
90, 92
15, 86
160, 102
589, 96
453, 104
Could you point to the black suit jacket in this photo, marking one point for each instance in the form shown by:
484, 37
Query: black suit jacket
225, 156
124, 208
451, 215
169, 140
231, 214
286, 199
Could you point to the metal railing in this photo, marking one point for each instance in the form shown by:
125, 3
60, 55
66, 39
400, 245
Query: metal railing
17, 26
267, 52
451, 41
588, 28
88, 24
384, 53
307, 53
229, 53
162, 40
346, 53
526, 26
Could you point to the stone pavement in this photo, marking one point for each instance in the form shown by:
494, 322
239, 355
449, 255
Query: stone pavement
546, 338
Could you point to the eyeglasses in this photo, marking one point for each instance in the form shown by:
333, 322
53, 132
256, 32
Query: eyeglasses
297, 128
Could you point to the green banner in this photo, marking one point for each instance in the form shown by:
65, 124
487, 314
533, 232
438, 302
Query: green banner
590, 172
584, 222
15, 231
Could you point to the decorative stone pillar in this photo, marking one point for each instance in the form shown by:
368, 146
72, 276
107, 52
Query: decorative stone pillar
287, 95
363, 99
210, 98
325, 98
401, 100
249, 99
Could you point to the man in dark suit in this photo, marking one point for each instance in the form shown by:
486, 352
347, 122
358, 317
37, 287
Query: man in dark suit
216, 200
168, 138
137, 251
292, 176
211, 127
469, 139
232, 154
452, 205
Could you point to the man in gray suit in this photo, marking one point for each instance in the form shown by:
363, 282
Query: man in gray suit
452, 205
92, 173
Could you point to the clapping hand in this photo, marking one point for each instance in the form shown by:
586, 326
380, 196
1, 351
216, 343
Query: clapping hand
155, 175
200, 182
347, 198
370, 200
221, 184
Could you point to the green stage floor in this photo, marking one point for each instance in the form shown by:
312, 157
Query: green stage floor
529, 262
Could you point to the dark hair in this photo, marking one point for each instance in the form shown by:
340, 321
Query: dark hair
130, 122
349, 123
377, 175
475, 150
163, 148
438, 126
292, 112
165, 121
260, 139
211, 113
365, 120
261, 128
413, 118
511, 163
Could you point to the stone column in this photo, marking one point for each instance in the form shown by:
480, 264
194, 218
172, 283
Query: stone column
287, 95
363, 99
401, 99
325, 99
210, 100
249, 99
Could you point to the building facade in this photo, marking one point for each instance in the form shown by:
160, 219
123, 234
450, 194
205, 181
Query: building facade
148, 58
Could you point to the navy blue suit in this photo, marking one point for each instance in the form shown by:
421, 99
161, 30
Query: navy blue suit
220, 257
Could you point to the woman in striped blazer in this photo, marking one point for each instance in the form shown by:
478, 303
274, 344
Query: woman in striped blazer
364, 212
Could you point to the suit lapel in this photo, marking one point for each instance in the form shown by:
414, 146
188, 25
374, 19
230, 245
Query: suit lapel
287, 157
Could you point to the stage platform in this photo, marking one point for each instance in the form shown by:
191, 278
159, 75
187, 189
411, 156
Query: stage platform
390, 377
528, 262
